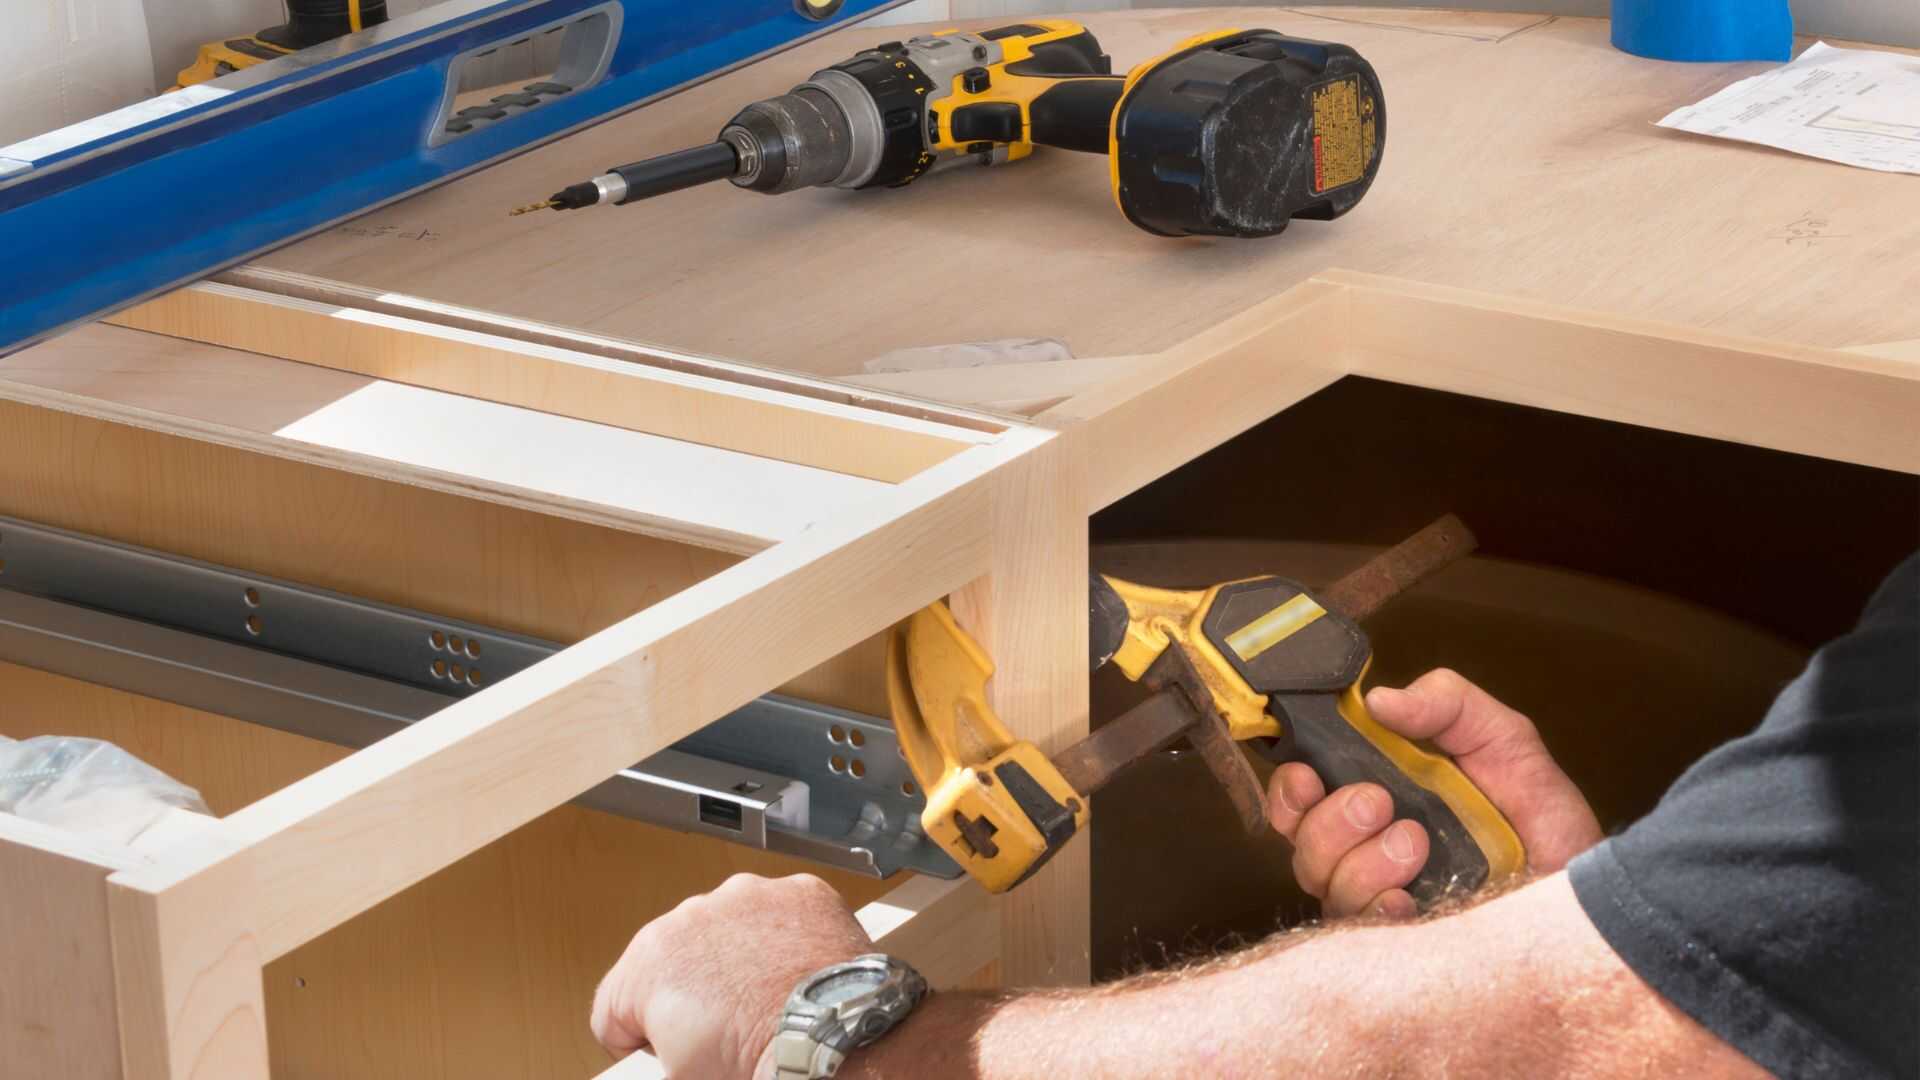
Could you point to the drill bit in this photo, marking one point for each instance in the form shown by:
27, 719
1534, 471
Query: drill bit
572, 197
646, 179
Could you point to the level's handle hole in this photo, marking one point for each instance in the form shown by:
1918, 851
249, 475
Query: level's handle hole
499, 81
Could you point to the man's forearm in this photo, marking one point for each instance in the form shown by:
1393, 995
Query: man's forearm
1521, 985
1222, 1018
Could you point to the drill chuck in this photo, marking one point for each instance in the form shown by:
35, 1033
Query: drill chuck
802, 138
852, 125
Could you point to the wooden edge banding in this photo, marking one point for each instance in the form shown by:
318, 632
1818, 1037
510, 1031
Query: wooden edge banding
1855, 405
948, 930
65, 843
1028, 612
1207, 389
1820, 402
741, 372
58, 1014
738, 372
1904, 351
1377, 288
695, 408
190, 992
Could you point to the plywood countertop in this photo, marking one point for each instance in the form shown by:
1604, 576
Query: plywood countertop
1521, 160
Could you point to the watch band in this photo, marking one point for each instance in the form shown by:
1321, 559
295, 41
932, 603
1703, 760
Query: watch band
840, 1008
798, 1056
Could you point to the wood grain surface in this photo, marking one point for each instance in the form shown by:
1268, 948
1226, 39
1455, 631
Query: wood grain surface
1521, 159
57, 1011
484, 970
553, 379
552, 462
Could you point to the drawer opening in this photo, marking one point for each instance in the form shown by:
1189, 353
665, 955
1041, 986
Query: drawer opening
485, 967
349, 671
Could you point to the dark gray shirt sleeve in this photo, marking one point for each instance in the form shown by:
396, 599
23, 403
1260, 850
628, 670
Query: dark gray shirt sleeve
1772, 894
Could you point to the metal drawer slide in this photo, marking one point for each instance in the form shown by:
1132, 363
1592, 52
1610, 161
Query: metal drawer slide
780, 774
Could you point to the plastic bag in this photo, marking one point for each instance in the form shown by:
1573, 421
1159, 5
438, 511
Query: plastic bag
970, 354
87, 786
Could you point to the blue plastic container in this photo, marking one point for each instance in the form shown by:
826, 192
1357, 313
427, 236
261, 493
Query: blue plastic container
1704, 30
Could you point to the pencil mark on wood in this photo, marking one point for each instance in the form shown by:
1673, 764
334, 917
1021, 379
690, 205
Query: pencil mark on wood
1807, 230
1511, 34
1491, 39
388, 232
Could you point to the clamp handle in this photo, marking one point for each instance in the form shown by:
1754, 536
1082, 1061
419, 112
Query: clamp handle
1309, 661
1469, 839
1283, 667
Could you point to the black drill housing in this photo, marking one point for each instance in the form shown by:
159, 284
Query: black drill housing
1241, 134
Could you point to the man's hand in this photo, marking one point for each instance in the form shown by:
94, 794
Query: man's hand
1348, 850
704, 983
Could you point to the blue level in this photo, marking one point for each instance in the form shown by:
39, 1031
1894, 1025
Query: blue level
103, 215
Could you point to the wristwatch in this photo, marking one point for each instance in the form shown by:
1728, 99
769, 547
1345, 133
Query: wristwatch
842, 1008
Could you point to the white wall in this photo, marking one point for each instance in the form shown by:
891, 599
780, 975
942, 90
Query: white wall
177, 28
63, 61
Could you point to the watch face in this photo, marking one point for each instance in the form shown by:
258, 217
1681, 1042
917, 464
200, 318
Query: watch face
845, 986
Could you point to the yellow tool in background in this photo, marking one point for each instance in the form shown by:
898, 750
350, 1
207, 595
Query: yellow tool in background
1264, 660
309, 22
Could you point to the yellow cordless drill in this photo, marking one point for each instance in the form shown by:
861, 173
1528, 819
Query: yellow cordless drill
1232, 133
309, 22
